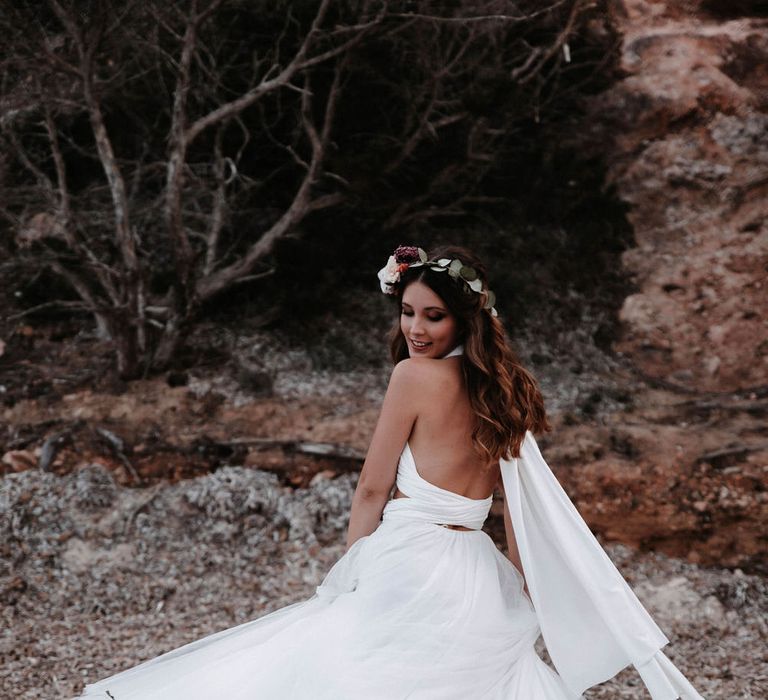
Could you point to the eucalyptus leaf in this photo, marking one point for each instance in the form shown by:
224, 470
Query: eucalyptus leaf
453, 273
468, 273
476, 285
422, 255
491, 301
456, 266
444, 262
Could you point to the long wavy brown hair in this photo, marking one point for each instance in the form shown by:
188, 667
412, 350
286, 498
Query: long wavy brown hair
504, 396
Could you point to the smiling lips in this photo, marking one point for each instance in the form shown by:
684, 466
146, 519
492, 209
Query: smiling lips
419, 344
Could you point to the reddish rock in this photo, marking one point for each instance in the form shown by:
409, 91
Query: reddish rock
689, 153
19, 460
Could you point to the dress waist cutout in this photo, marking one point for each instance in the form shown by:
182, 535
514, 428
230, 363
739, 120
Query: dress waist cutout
428, 503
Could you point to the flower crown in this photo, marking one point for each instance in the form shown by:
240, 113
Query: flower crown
407, 256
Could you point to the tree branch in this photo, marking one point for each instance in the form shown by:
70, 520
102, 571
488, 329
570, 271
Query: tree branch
300, 206
219, 205
176, 160
234, 107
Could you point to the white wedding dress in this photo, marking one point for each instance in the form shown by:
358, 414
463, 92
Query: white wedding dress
414, 610
420, 611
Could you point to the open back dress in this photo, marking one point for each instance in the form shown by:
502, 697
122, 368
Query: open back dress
421, 611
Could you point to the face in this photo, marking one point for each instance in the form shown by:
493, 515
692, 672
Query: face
430, 329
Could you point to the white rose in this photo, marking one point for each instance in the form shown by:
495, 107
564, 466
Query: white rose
388, 275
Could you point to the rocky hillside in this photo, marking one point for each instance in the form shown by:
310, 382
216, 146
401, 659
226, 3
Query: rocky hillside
682, 464
688, 134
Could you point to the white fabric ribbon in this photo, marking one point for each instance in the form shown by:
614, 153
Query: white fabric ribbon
591, 621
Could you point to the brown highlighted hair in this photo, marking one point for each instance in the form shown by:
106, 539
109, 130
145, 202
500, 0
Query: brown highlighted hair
504, 396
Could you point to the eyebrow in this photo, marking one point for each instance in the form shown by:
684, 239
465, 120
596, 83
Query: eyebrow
426, 308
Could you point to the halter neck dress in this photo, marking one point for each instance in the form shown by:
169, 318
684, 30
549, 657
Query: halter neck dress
413, 611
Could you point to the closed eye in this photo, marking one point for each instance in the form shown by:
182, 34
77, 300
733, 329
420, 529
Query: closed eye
438, 317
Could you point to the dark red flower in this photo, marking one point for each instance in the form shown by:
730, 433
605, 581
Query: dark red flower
406, 254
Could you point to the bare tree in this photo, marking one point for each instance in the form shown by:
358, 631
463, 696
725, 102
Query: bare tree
142, 133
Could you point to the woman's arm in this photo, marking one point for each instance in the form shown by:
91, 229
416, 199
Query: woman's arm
398, 414
513, 553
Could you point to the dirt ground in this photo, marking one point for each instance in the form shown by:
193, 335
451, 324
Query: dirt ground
105, 576
647, 466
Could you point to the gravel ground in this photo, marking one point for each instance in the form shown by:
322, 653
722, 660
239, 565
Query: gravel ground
95, 578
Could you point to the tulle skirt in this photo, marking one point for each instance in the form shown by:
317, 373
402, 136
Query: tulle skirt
414, 610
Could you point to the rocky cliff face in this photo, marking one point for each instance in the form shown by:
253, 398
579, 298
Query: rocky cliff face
688, 133
681, 467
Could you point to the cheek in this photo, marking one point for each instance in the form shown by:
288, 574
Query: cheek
448, 328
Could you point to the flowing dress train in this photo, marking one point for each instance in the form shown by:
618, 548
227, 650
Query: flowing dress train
420, 611
414, 610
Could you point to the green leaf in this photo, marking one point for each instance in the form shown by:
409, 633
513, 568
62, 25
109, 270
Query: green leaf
491, 301
444, 262
455, 266
468, 273
476, 285
422, 255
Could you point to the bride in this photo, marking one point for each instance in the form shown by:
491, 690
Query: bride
422, 605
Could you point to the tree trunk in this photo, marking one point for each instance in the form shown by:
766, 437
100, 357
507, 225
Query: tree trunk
174, 334
126, 349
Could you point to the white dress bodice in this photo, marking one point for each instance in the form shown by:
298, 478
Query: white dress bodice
428, 503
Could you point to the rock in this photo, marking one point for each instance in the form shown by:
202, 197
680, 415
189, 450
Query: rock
93, 487
20, 460
675, 601
689, 151
81, 557
323, 475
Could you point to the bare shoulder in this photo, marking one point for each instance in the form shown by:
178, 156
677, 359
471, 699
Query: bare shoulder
424, 375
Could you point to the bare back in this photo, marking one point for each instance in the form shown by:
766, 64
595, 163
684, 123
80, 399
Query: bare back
441, 438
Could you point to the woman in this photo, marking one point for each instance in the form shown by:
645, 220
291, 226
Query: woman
422, 605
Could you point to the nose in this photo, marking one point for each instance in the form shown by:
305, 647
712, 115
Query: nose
417, 327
